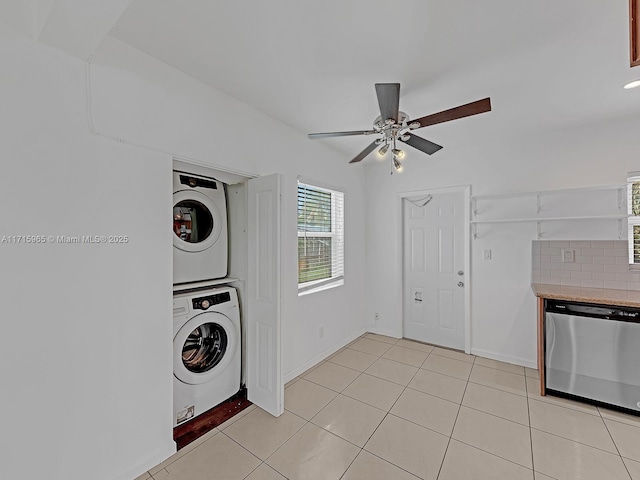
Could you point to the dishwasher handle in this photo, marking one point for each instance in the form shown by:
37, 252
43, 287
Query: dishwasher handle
607, 312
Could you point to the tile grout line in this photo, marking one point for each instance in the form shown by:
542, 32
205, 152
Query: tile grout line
615, 444
375, 430
533, 462
453, 427
388, 412
580, 443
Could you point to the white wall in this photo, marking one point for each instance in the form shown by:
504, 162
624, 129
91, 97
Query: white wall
502, 305
85, 346
86, 350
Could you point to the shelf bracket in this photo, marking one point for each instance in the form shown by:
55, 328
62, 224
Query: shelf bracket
620, 198
474, 231
538, 203
474, 207
539, 229
621, 231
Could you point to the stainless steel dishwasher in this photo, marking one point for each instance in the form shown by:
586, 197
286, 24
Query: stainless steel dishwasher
593, 352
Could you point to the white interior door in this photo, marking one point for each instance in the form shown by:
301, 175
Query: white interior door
265, 387
433, 257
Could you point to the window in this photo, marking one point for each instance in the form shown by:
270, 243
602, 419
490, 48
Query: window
320, 236
634, 31
633, 207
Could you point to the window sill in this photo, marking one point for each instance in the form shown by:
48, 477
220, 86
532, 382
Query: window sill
320, 288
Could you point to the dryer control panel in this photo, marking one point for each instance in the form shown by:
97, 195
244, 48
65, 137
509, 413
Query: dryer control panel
203, 303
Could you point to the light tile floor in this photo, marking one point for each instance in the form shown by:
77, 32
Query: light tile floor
385, 409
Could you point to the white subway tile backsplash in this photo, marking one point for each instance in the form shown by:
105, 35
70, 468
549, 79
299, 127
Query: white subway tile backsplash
602, 244
592, 283
597, 264
570, 266
615, 252
580, 244
602, 260
594, 252
582, 259
627, 277
616, 268
570, 282
582, 275
560, 243
561, 273
604, 276
592, 267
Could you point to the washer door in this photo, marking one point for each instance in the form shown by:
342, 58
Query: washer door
204, 347
197, 221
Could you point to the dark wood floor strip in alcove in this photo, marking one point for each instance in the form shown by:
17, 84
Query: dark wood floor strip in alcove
194, 429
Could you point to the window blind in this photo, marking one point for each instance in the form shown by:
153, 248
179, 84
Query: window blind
320, 236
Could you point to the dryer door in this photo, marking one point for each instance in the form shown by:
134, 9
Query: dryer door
203, 347
197, 221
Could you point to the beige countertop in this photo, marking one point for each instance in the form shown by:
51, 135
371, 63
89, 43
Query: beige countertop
605, 296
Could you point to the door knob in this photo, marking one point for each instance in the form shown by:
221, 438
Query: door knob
461, 284
460, 272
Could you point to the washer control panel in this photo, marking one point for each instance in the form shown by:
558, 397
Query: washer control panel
203, 303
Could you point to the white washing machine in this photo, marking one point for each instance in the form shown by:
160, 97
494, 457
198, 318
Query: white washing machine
206, 350
200, 243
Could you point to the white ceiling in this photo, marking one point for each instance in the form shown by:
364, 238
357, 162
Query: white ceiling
546, 64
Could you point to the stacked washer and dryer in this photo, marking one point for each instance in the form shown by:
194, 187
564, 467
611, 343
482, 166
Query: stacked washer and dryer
206, 320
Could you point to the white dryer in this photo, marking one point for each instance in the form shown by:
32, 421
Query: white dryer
206, 350
200, 243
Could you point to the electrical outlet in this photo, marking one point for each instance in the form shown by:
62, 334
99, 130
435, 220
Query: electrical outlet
567, 256
376, 319
487, 254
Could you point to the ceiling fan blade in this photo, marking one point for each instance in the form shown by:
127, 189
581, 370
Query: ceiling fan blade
364, 153
388, 100
473, 108
341, 134
422, 144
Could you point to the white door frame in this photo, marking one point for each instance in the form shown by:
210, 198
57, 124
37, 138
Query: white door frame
401, 196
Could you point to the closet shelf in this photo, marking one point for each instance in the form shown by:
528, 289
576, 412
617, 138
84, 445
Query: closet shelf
549, 219
549, 192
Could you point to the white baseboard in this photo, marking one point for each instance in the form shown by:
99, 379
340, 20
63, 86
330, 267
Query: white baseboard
385, 332
148, 464
525, 362
321, 356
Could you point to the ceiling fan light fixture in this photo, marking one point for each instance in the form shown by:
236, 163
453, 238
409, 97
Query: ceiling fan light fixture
397, 153
383, 149
630, 85
397, 165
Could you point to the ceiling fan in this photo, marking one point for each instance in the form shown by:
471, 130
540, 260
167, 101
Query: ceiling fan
392, 125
